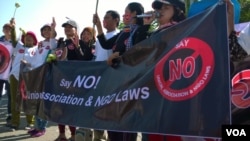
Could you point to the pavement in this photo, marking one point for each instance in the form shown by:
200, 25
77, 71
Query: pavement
21, 134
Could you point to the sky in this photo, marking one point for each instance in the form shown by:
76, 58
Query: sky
33, 14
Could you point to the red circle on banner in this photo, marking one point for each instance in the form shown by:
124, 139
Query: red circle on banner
185, 70
240, 89
4, 58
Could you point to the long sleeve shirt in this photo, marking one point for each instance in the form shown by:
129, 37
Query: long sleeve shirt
119, 42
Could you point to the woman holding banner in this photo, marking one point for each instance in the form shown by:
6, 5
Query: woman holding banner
236, 52
168, 14
25, 52
133, 32
7, 44
44, 48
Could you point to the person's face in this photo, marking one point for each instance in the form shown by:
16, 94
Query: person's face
29, 41
69, 30
166, 13
46, 32
109, 22
86, 36
7, 30
128, 16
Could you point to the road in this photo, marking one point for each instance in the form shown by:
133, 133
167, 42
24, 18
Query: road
21, 135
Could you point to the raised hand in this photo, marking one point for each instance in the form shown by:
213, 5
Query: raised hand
53, 28
149, 20
97, 22
53, 24
12, 22
75, 40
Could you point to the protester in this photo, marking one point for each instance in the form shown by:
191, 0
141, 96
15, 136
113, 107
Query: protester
25, 52
232, 42
74, 52
70, 30
49, 43
111, 21
87, 43
168, 13
8, 41
133, 32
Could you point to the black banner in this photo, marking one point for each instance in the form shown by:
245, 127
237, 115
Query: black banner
176, 82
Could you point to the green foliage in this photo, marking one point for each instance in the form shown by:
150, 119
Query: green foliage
121, 25
153, 26
245, 10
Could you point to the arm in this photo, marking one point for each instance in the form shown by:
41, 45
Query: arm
97, 22
107, 44
53, 28
13, 32
141, 33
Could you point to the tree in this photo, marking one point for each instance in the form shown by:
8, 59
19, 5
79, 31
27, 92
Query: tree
245, 11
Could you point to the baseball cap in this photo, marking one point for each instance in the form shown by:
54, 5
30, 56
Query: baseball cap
70, 22
45, 25
178, 3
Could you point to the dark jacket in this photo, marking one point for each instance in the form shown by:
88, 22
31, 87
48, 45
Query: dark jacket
87, 50
77, 53
118, 42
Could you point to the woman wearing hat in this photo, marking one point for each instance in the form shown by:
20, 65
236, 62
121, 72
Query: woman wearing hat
168, 13
44, 48
171, 12
25, 51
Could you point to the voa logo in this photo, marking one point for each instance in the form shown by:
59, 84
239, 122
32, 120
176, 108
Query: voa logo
236, 132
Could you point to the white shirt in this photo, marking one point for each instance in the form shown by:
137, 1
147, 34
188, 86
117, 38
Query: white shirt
44, 50
34, 56
22, 53
101, 53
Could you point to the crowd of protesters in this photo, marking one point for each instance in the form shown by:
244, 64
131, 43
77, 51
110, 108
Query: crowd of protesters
86, 46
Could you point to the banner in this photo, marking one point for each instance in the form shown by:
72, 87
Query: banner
176, 82
5, 60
